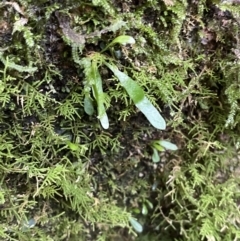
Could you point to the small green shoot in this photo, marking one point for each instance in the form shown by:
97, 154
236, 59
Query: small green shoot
146, 206
123, 40
136, 225
136, 93
161, 146
144, 209
99, 96
88, 104
94, 83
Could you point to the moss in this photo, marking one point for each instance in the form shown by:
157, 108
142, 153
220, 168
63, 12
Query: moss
65, 178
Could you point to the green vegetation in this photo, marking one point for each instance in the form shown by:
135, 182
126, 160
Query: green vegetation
119, 120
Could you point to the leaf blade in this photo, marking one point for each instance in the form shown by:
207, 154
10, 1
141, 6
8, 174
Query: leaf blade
133, 89
99, 96
155, 156
151, 113
88, 105
168, 145
136, 225
136, 93
122, 39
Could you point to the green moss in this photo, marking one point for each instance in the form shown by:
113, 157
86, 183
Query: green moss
63, 177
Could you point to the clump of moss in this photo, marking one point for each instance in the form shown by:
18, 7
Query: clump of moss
65, 178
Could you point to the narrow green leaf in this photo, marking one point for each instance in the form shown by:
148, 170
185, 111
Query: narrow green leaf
104, 121
123, 40
158, 147
144, 210
168, 145
88, 105
137, 95
99, 96
136, 225
94, 82
155, 156
133, 89
150, 205
151, 113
